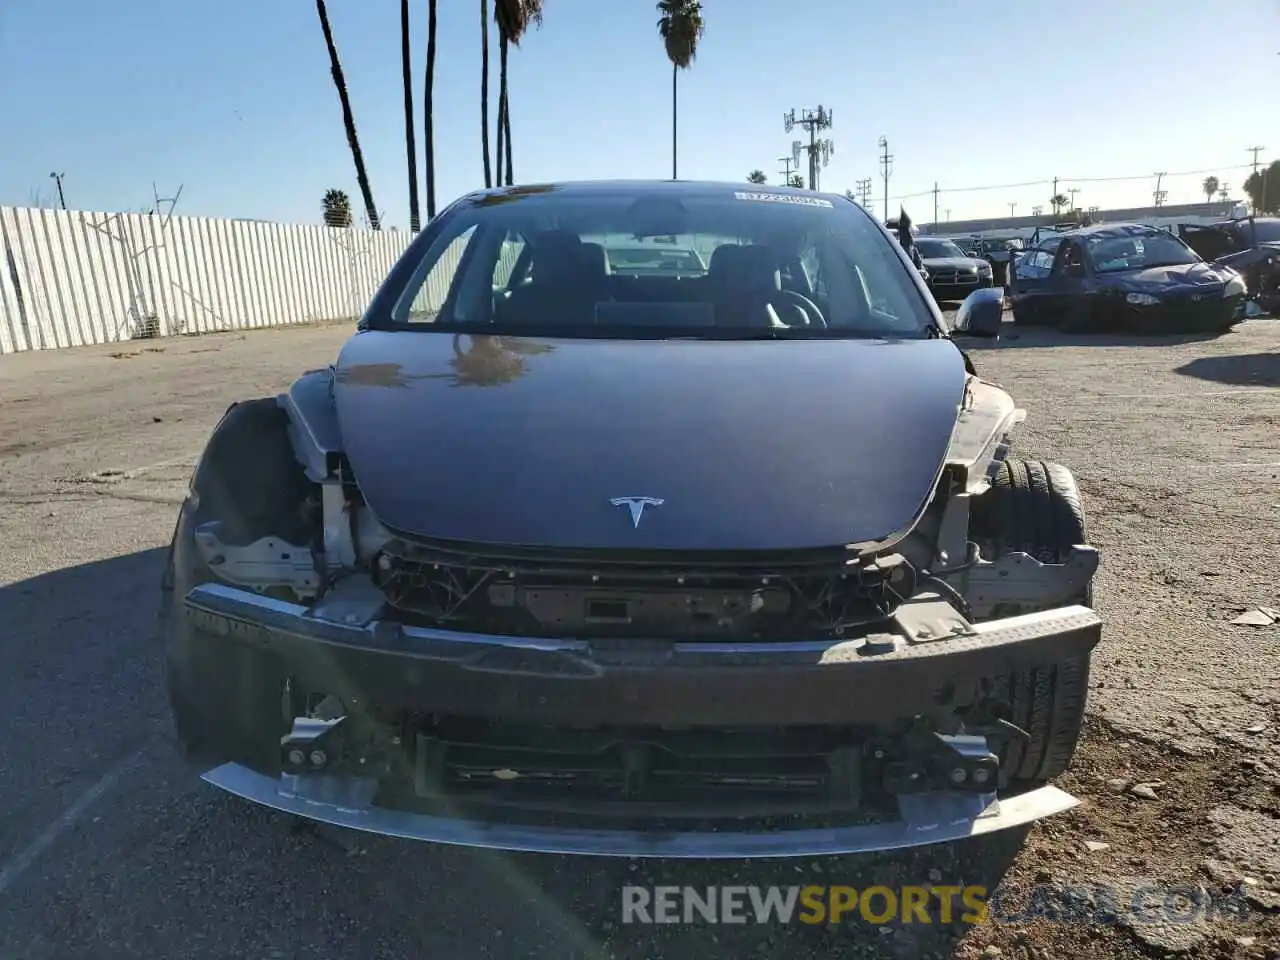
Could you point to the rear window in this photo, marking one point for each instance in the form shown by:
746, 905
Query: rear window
621, 263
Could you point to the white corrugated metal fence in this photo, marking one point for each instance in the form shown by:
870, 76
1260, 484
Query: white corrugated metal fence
70, 278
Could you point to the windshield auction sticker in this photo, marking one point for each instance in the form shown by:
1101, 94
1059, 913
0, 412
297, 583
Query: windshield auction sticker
783, 198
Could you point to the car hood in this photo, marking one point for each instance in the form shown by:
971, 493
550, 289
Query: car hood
953, 263
1164, 279
749, 445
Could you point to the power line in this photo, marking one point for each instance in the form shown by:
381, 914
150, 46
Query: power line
1048, 181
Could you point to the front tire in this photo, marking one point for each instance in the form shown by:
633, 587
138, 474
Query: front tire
1034, 507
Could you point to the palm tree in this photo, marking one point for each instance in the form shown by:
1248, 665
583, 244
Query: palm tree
337, 208
1058, 201
681, 28
428, 119
484, 90
795, 180
757, 176
348, 118
1210, 187
410, 128
513, 17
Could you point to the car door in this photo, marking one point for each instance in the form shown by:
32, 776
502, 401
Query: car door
1067, 291
1030, 277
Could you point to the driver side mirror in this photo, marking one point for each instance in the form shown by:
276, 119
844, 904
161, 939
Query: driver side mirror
981, 314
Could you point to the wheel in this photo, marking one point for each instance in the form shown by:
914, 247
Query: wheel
224, 697
1080, 316
1034, 507
1025, 315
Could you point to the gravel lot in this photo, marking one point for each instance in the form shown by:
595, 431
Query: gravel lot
110, 848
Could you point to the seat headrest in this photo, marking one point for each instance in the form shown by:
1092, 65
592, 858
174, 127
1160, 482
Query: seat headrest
560, 256
595, 259
745, 270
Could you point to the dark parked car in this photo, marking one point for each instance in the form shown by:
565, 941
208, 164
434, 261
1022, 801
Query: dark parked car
556, 559
999, 252
1123, 277
1250, 246
953, 274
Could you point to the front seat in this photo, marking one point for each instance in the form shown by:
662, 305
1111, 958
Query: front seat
743, 282
568, 281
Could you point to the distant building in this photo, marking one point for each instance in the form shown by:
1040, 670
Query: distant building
1167, 215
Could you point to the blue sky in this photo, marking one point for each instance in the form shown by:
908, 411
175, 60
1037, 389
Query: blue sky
233, 99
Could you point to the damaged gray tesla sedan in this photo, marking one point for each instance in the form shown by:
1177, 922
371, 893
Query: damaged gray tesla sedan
721, 562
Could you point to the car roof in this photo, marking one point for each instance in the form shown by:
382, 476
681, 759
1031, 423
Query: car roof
705, 189
1110, 231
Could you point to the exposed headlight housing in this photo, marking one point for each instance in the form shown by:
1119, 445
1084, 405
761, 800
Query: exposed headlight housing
1235, 287
1142, 299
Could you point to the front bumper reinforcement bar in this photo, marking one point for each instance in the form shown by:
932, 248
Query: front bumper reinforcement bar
925, 819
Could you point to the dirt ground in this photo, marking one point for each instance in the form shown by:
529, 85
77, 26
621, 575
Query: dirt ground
110, 848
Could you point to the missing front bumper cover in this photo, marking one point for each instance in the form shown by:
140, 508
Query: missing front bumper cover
386, 668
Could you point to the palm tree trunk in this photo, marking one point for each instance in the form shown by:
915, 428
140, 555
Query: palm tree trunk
410, 128
506, 120
484, 90
428, 120
502, 107
348, 118
675, 73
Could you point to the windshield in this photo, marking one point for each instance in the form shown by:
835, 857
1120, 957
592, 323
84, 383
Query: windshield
1137, 251
937, 249
638, 262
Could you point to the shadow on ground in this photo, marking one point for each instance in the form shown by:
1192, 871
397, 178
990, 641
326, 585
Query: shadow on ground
527, 905
79, 680
1013, 337
1240, 370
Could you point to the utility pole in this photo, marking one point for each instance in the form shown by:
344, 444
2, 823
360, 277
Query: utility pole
1255, 151
1037, 211
935, 206
948, 212
864, 190
820, 151
1012, 205
1073, 191
57, 178
886, 170
785, 171
1158, 195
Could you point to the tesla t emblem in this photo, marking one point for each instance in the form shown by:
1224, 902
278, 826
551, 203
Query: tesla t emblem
636, 505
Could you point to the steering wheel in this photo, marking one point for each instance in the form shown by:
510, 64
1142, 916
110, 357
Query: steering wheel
812, 315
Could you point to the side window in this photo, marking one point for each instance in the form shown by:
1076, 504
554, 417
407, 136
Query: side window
508, 254
1035, 265
439, 280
